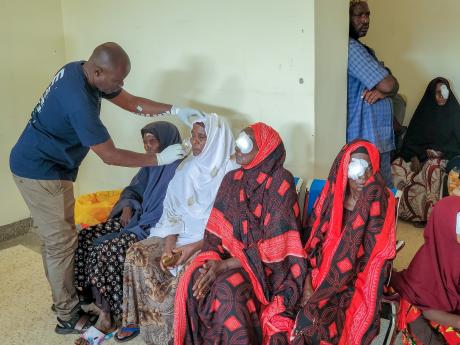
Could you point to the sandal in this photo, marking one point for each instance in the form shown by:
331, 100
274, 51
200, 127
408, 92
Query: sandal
79, 323
93, 336
135, 331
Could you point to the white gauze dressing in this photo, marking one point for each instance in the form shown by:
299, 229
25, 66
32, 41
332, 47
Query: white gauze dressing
244, 143
357, 168
445, 91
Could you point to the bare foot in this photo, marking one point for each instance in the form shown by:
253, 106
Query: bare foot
103, 324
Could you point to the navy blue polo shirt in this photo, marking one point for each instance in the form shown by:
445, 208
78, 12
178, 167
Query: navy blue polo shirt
62, 127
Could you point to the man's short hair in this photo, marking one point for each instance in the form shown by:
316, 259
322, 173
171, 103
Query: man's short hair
353, 3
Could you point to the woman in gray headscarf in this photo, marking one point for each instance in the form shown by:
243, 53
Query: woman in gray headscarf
102, 248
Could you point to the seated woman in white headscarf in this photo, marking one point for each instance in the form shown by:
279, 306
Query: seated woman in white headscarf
153, 266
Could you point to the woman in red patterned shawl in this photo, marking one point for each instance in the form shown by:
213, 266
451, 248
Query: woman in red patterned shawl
430, 287
246, 284
351, 242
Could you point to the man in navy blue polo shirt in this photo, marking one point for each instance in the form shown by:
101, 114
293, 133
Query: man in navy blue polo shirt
64, 126
370, 86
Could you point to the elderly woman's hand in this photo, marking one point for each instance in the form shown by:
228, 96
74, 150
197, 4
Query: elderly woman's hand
187, 251
209, 273
169, 245
126, 215
307, 291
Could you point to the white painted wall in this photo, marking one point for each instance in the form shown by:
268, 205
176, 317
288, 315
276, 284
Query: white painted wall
32, 51
418, 40
331, 56
242, 59
248, 61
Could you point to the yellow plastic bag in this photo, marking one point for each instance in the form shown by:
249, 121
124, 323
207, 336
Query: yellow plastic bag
94, 208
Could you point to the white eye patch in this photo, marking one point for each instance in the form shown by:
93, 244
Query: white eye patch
458, 224
244, 143
444, 91
357, 168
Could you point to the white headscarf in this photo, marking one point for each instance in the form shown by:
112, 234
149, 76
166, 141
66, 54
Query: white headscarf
191, 193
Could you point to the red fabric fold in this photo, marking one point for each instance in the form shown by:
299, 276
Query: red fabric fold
180, 317
432, 279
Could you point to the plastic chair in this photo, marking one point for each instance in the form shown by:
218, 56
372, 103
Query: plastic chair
298, 184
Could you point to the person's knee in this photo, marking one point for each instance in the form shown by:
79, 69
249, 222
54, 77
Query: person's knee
62, 248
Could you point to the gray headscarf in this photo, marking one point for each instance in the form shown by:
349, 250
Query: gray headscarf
164, 131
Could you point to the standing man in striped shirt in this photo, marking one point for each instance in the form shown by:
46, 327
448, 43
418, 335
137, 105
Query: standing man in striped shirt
370, 86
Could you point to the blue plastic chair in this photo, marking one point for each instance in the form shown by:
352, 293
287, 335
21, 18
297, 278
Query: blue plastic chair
315, 187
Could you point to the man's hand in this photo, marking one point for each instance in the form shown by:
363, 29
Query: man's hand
186, 115
372, 96
126, 215
170, 154
209, 273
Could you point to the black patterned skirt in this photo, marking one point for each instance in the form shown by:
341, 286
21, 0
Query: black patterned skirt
99, 267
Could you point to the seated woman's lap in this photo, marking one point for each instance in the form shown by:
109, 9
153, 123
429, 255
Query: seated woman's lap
230, 308
86, 247
100, 264
106, 269
86, 236
146, 251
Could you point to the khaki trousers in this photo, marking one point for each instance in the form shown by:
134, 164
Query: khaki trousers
51, 204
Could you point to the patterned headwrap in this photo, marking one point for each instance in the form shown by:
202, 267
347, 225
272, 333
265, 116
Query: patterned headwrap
267, 140
348, 259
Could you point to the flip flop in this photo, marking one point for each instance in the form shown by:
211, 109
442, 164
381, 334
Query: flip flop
135, 332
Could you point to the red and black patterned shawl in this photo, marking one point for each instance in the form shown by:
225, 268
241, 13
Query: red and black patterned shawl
347, 259
256, 219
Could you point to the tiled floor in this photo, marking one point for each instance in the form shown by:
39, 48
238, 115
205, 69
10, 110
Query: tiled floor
25, 298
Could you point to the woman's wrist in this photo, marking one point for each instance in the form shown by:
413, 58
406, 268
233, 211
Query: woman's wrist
170, 243
197, 246
222, 266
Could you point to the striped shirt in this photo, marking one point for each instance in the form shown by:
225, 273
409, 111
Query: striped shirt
373, 122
